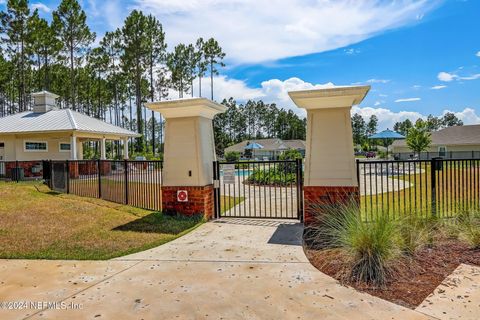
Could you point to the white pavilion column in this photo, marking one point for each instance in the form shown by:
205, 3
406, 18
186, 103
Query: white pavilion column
188, 155
103, 149
330, 174
79, 150
73, 147
125, 149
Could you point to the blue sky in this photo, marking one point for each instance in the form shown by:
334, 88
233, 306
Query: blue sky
420, 57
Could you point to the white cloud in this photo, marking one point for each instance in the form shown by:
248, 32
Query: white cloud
41, 7
478, 54
468, 116
276, 91
447, 77
407, 100
351, 51
472, 77
270, 91
387, 118
439, 87
253, 31
377, 81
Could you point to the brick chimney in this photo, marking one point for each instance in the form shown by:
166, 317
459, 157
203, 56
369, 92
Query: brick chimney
44, 101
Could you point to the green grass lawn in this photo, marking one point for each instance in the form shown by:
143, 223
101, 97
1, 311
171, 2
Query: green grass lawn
36, 223
457, 190
227, 202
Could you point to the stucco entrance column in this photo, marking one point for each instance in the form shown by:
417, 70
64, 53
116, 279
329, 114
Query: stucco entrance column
330, 174
187, 184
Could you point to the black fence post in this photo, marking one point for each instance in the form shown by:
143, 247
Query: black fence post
17, 171
99, 165
51, 173
216, 185
67, 169
125, 166
433, 185
358, 172
300, 188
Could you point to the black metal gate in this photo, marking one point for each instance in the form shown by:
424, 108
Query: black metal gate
259, 189
59, 176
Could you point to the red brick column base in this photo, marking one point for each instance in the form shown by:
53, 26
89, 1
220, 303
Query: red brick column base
327, 196
27, 168
200, 201
73, 170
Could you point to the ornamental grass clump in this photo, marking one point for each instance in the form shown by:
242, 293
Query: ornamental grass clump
469, 228
415, 233
370, 249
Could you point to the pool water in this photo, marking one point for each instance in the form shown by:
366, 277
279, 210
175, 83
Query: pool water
240, 173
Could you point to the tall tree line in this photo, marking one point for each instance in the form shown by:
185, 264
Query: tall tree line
111, 81
255, 120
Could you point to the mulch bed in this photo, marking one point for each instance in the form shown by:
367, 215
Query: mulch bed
417, 277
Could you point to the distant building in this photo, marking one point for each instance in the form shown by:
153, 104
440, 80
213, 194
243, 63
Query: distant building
457, 142
271, 148
50, 133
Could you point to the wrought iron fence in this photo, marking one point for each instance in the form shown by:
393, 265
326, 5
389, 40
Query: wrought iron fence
428, 188
259, 189
136, 183
431, 155
19, 170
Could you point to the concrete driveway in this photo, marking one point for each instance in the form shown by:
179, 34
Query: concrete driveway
227, 269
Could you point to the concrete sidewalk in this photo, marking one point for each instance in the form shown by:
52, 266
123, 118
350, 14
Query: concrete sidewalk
230, 269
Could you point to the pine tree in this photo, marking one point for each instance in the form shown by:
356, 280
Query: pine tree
156, 48
45, 48
134, 59
180, 69
15, 27
69, 22
214, 56
201, 62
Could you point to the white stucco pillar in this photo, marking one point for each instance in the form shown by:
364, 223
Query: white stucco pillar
103, 149
125, 149
189, 153
330, 173
73, 147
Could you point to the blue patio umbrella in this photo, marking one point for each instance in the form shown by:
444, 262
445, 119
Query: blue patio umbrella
386, 135
252, 146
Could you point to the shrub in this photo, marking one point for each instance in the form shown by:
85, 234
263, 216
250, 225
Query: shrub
232, 156
370, 248
272, 176
290, 154
382, 154
469, 228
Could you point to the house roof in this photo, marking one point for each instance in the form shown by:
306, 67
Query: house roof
268, 145
295, 144
58, 120
458, 135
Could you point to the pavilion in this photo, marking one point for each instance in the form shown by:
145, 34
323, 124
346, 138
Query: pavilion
48, 132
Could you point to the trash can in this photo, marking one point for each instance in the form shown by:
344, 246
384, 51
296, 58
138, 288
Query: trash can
18, 174
437, 163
